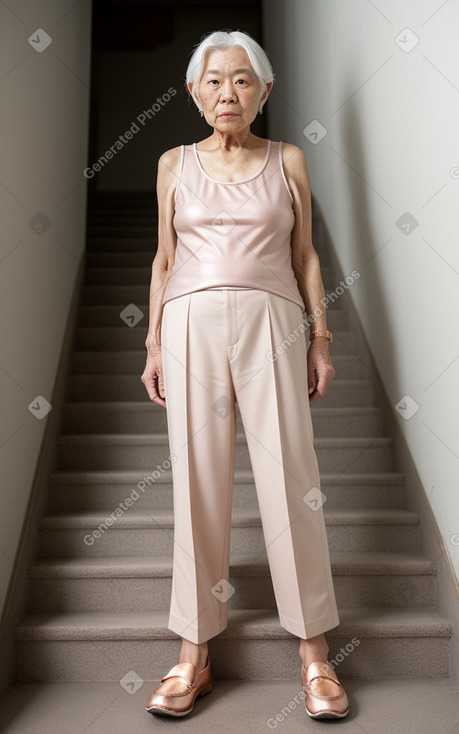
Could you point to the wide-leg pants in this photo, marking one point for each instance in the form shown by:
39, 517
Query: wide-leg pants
219, 346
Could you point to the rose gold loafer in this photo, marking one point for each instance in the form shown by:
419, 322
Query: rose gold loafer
325, 696
176, 694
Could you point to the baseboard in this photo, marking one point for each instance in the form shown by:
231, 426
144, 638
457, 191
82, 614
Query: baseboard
16, 603
432, 543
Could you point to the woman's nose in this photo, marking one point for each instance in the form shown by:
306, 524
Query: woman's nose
227, 93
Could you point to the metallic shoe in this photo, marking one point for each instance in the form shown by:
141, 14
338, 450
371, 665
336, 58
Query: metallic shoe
179, 688
325, 696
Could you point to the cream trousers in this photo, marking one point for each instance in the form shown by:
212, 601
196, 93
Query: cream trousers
221, 345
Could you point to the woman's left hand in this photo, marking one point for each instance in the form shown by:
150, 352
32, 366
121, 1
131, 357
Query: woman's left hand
319, 363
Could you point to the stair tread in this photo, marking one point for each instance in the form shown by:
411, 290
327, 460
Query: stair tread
71, 476
361, 562
328, 269
141, 405
121, 439
249, 623
240, 517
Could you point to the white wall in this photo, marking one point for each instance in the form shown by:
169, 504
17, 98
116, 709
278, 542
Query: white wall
43, 151
391, 147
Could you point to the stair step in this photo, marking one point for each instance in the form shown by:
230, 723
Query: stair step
122, 217
405, 642
347, 366
144, 583
121, 244
122, 231
124, 246
131, 531
341, 393
144, 417
128, 199
129, 259
123, 208
142, 275
72, 491
123, 451
110, 316
112, 339
249, 706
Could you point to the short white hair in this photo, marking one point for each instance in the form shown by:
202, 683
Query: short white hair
221, 40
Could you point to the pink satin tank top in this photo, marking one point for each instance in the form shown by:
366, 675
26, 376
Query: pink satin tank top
233, 233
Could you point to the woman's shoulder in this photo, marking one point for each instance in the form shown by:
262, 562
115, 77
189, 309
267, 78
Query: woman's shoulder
289, 150
169, 166
171, 156
293, 159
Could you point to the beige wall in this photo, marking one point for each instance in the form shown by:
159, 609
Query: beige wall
43, 150
391, 112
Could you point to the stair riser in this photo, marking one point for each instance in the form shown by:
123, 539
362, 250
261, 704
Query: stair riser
154, 594
121, 244
235, 659
129, 209
116, 388
93, 419
100, 295
142, 276
125, 338
103, 497
244, 540
97, 316
132, 201
124, 246
133, 257
122, 231
133, 363
110, 219
114, 458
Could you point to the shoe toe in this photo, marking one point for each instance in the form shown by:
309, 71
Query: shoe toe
325, 696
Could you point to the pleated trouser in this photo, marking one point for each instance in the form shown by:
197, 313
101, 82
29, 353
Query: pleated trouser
217, 348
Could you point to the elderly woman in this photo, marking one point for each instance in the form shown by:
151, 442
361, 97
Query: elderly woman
233, 276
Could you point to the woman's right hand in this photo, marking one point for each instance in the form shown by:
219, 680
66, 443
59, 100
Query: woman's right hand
152, 376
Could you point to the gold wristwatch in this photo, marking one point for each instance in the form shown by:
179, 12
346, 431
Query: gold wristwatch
316, 332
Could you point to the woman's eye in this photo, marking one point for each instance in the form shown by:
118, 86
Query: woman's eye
213, 82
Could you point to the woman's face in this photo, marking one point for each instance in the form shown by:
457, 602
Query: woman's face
229, 85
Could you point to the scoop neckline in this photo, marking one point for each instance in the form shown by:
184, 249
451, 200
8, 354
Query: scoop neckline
244, 180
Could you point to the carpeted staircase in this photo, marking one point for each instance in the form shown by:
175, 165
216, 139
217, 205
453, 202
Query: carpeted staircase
99, 598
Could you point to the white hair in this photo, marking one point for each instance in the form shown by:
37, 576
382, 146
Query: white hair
220, 40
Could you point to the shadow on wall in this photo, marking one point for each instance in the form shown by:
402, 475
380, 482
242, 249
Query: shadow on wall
364, 247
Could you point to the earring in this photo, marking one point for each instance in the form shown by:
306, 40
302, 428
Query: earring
201, 113
260, 112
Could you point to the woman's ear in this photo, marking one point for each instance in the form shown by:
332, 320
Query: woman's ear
190, 86
268, 87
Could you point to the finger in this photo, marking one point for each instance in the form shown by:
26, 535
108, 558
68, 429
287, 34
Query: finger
151, 388
158, 390
161, 385
312, 380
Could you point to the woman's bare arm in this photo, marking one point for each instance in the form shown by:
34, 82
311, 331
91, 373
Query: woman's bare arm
167, 240
152, 376
306, 266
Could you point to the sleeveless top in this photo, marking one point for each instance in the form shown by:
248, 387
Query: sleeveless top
233, 233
